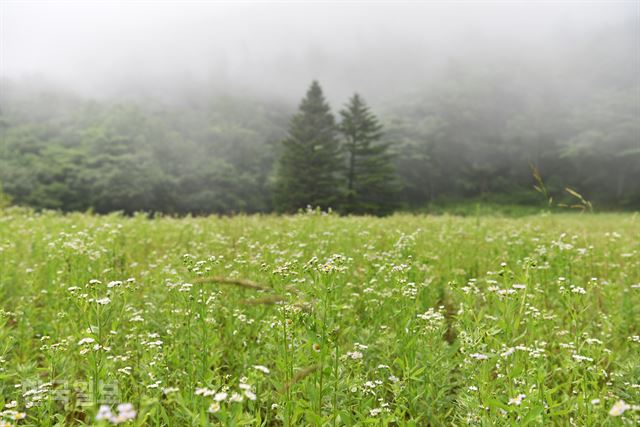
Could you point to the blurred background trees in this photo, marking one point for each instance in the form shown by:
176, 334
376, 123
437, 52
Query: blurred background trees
371, 179
470, 132
308, 171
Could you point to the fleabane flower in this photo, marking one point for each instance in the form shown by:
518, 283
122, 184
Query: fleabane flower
479, 356
618, 408
235, 397
104, 413
516, 401
261, 368
203, 391
87, 340
355, 355
219, 397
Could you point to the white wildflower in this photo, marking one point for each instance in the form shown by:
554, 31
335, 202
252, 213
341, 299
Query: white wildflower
219, 397
479, 356
618, 408
517, 401
508, 352
203, 391
580, 358
261, 368
126, 412
104, 413
355, 355
375, 411
103, 301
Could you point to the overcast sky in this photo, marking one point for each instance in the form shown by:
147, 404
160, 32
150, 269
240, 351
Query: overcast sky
109, 47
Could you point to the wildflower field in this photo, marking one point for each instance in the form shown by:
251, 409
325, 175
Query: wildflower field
315, 319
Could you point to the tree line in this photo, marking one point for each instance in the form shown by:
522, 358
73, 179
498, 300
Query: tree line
472, 132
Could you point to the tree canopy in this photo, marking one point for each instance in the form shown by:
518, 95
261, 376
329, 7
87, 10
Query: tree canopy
472, 132
371, 175
310, 164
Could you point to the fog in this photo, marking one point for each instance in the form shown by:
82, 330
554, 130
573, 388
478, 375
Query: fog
202, 107
169, 50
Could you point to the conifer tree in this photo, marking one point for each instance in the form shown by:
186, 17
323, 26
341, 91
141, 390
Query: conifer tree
371, 178
311, 162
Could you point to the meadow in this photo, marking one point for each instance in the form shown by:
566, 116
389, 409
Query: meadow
315, 319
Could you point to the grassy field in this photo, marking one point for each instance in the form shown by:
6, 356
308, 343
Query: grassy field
319, 320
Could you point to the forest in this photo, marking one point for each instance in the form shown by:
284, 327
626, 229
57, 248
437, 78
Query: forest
473, 130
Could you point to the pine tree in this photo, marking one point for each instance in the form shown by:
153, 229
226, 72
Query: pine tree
311, 162
371, 178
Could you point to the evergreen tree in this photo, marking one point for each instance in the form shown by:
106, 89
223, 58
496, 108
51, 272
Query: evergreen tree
310, 164
371, 178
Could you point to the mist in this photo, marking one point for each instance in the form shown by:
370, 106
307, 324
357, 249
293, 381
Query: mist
290, 213
172, 50
198, 107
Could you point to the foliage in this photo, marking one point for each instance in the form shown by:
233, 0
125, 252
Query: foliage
470, 131
371, 175
5, 200
310, 163
134, 157
316, 319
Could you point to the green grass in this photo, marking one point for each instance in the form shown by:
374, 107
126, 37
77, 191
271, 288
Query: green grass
407, 320
483, 208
